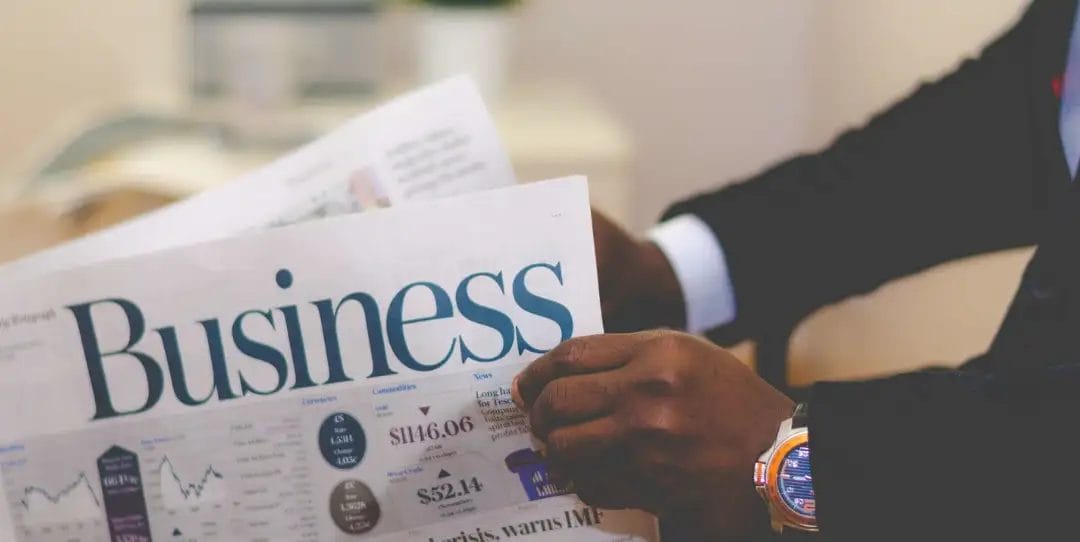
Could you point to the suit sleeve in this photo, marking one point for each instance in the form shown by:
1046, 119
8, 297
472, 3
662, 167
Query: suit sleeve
948, 456
947, 172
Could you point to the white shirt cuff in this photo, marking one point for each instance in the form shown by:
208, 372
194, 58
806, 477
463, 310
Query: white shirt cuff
698, 259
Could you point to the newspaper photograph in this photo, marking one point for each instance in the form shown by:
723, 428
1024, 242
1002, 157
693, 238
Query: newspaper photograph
435, 142
338, 379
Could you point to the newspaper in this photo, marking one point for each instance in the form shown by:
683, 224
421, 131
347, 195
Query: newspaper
341, 379
436, 142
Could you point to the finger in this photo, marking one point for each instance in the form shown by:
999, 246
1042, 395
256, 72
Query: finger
574, 399
609, 487
606, 478
577, 356
583, 445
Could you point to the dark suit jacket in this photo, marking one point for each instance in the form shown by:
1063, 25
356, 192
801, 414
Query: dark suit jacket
969, 164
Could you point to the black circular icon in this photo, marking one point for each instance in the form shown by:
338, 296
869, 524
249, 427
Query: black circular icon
354, 508
342, 441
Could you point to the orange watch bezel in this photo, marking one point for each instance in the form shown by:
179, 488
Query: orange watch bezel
772, 486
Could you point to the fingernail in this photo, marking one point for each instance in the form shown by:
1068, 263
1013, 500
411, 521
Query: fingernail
515, 393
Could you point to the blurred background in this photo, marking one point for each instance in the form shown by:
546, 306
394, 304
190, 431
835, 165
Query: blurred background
113, 107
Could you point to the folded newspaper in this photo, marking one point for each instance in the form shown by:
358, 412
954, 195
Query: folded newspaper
339, 379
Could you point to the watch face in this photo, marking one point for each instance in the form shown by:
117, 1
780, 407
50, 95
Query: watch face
795, 484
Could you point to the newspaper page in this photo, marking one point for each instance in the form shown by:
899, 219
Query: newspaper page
438, 141
341, 379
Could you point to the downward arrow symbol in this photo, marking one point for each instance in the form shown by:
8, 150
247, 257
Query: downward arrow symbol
425, 409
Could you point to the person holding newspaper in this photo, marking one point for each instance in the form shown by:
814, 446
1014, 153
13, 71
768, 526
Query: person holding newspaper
661, 420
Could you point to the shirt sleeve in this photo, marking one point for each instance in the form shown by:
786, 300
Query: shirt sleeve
698, 260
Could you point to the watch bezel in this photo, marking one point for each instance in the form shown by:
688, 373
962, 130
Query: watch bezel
789, 516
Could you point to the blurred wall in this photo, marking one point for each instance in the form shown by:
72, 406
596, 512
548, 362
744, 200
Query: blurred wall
65, 61
714, 90
868, 53
711, 89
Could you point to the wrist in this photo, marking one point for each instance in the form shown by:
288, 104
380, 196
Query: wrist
658, 287
694, 256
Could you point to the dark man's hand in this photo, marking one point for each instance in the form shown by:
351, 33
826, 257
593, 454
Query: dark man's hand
658, 420
638, 288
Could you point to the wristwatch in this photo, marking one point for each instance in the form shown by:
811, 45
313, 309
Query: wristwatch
782, 476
